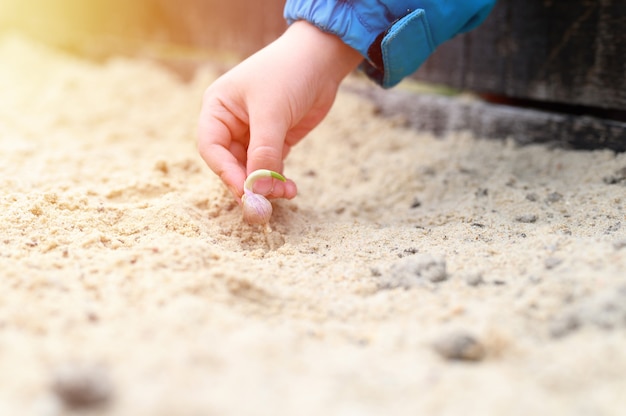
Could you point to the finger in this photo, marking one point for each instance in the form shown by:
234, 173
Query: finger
287, 190
267, 138
216, 131
224, 164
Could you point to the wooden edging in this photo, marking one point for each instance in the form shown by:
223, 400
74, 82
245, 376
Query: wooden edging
444, 114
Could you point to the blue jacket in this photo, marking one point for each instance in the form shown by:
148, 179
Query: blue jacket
394, 36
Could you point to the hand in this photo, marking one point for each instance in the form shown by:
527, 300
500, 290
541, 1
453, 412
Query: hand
252, 115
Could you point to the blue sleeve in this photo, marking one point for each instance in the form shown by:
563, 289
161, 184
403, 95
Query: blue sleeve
394, 36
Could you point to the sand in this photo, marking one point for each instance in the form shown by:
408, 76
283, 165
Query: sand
412, 275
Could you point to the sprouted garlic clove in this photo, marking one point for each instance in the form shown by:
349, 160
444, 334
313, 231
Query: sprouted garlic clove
256, 208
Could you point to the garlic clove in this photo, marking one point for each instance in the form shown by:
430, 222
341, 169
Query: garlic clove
256, 208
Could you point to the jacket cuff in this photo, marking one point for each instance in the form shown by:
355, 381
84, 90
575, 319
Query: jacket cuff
400, 50
357, 25
394, 37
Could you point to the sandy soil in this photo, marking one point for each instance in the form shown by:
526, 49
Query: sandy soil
411, 276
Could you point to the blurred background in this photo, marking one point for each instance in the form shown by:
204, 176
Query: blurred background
172, 30
567, 57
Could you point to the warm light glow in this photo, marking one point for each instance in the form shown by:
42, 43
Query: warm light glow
98, 27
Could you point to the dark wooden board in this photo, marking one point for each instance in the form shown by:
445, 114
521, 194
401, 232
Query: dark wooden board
444, 114
570, 52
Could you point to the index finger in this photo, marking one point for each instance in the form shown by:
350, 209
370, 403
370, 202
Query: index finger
217, 130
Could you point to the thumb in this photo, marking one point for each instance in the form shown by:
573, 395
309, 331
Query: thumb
266, 150
267, 140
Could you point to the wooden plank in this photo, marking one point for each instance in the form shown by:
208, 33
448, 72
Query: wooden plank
442, 114
569, 52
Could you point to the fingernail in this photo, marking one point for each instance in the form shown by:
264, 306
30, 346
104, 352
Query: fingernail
264, 186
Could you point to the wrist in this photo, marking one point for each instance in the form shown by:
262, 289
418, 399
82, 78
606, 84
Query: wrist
338, 58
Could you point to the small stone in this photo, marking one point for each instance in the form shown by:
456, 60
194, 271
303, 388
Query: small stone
617, 177
552, 262
409, 251
481, 192
618, 245
564, 326
605, 309
459, 346
416, 203
608, 310
526, 218
81, 386
553, 197
414, 270
474, 279
532, 197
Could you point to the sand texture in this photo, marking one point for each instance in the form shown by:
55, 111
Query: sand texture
412, 275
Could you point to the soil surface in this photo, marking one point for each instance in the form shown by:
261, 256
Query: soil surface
412, 275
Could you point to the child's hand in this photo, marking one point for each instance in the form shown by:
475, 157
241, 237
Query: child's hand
255, 113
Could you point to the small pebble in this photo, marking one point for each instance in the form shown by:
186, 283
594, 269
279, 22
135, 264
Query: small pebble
459, 346
563, 326
618, 245
608, 310
617, 177
416, 203
552, 262
605, 309
553, 197
474, 279
526, 218
482, 192
532, 197
81, 386
414, 270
